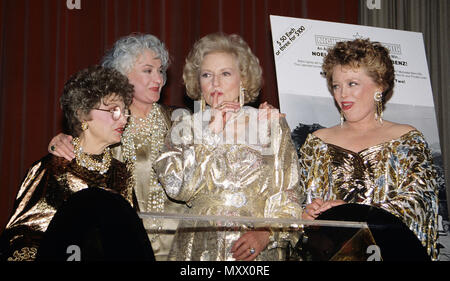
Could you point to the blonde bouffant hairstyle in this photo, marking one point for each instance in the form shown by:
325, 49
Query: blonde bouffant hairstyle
249, 67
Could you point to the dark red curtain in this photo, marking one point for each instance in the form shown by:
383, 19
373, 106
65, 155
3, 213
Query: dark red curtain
43, 42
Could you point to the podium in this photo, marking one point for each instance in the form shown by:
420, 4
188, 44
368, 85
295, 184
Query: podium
349, 232
386, 237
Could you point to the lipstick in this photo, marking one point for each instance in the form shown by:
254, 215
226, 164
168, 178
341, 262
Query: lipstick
346, 105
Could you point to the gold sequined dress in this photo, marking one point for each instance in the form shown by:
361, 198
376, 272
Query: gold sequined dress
397, 176
222, 179
142, 142
47, 185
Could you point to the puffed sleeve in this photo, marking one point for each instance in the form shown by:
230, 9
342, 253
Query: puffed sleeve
27, 224
184, 162
416, 199
286, 199
311, 169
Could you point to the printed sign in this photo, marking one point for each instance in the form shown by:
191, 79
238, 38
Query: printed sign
299, 48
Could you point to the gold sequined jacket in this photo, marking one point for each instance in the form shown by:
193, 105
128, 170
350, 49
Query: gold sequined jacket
397, 176
48, 183
222, 179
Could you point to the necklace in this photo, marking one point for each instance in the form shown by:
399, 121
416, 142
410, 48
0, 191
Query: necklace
87, 161
141, 132
148, 133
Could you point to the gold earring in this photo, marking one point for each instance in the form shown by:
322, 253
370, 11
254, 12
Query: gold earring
202, 104
84, 126
241, 95
342, 118
378, 97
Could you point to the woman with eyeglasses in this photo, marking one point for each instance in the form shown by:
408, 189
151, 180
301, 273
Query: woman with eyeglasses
144, 59
95, 103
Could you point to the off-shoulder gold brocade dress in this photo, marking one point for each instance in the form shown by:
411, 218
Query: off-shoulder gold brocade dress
222, 179
47, 185
397, 176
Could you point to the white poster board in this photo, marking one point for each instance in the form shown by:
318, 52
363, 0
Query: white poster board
299, 48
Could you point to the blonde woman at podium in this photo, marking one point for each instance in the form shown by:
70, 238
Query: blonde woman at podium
220, 171
366, 159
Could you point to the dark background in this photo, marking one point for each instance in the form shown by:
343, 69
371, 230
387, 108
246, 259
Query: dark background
42, 43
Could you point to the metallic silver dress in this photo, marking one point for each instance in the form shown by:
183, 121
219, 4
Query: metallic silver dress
216, 177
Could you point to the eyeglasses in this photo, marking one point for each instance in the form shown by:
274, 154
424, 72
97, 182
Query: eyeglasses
116, 112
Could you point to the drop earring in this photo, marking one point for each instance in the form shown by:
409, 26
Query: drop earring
342, 118
202, 104
241, 95
378, 97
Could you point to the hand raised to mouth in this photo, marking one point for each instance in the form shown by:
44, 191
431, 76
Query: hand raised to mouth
219, 115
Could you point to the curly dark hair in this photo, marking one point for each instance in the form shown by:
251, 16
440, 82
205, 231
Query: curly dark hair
86, 89
372, 56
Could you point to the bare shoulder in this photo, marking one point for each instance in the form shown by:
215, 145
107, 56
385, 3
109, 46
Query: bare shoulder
325, 133
396, 130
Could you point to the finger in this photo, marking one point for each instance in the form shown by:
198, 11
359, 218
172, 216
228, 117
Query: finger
325, 206
318, 201
234, 106
270, 106
232, 103
243, 252
313, 213
65, 148
67, 156
314, 206
51, 149
237, 244
335, 203
63, 151
215, 100
252, 256
263, 106
227, 108
306, 215
61, 146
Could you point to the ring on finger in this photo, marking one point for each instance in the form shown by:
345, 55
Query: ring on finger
307, 212
52, 148
252, 250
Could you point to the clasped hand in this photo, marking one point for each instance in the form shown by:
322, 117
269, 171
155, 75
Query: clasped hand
222, 113
318, 206
256, 240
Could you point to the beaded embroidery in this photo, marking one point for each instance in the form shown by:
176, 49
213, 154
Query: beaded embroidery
147, 132
87, 161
